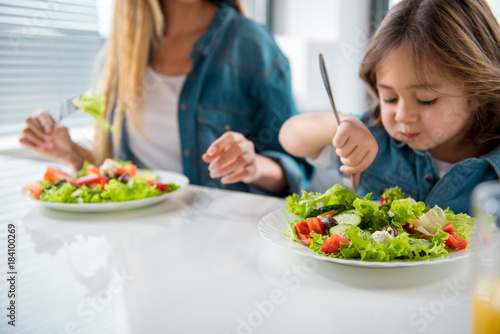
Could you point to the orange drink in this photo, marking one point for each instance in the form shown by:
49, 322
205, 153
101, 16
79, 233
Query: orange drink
486, 290
486, 307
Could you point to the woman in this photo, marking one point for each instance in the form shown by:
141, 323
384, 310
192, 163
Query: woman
191, 86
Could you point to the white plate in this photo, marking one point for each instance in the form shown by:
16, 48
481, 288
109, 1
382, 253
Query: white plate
274, 225
164, 177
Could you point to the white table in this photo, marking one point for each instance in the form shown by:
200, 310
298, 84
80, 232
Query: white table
197, 264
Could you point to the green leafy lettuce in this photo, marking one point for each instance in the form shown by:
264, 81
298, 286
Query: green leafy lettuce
392, 194
308, 201
371, 213
406, 210
94, 104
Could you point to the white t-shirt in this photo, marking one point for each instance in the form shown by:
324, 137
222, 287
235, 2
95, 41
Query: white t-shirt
442, 167
159, 146
326, 159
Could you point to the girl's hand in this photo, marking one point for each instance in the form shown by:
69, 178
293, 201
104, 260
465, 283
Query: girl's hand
355, 145
233, 158
52, 142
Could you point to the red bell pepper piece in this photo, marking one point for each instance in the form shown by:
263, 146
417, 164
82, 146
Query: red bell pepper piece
92, 180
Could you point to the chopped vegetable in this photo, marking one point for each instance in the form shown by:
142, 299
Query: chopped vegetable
34, 190
303, 232
315, 225
332, 244
92, 180
453, 239
54, 174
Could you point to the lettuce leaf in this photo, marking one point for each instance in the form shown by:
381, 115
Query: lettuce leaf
371, 215
392, 194
290, 231
92, 195
308, 201
406, 210
94, 104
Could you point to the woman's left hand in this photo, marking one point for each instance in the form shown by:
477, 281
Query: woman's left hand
233, 158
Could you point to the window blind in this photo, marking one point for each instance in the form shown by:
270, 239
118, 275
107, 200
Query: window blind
47, 53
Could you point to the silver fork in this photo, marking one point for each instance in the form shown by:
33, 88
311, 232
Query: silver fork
67, 107
346, 178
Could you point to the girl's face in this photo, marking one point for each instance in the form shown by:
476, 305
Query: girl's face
434, 116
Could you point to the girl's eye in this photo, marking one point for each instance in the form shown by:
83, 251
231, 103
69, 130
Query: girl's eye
427, 103
390, 101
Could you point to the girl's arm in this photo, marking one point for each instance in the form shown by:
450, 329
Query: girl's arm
306, 135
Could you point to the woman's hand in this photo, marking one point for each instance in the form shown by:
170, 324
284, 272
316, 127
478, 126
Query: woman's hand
51, 142
355, 145
233, 158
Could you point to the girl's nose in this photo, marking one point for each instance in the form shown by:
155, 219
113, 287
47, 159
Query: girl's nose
405, 113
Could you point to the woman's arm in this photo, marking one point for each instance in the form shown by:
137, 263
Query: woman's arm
52, 141
233, 158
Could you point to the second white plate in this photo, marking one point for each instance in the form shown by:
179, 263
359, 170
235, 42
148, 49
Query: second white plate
164, 177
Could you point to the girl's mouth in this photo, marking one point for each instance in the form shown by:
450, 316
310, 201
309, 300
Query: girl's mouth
409, 135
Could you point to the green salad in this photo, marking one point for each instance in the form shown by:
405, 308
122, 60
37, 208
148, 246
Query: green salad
339, 224
113, 181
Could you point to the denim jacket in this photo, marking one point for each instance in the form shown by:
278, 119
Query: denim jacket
240, 82
396, 164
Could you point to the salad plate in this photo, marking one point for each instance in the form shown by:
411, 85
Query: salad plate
164, 176
273, 227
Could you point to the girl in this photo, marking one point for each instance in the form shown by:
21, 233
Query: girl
435, 67
192, 86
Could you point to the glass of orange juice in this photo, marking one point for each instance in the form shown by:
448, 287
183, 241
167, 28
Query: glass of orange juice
486, 288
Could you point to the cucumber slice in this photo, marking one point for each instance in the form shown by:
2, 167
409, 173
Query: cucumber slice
340, 229
328, 208
348, 217
147, 174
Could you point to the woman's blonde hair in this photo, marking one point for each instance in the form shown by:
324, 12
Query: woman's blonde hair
138, 25
459, 37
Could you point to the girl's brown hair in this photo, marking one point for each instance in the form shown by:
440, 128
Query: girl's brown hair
137, 25
459, 37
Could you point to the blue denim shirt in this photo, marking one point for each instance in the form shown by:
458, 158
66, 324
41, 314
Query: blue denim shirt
240, 82
396, 164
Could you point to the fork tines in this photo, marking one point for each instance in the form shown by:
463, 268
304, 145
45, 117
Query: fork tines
67, 107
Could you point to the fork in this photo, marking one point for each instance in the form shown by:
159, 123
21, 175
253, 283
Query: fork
346, 178
67, 107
